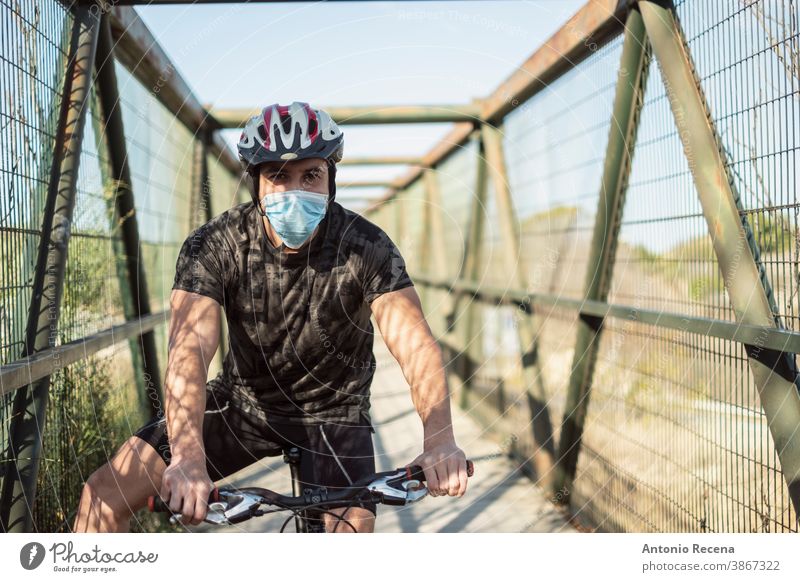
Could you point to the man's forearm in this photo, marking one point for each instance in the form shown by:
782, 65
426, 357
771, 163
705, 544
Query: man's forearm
430, 392
185, 396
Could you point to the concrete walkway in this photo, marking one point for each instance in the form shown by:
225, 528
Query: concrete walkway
499, 498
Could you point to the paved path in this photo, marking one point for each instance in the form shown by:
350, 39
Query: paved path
499, 498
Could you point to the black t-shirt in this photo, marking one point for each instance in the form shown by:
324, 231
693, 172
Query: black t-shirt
299, 324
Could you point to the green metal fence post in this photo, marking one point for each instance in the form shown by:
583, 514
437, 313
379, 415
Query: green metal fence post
425, 248
460, 347
628, 99
436, 246
543, 452
775, 372
21, 467
139, 299
401, 221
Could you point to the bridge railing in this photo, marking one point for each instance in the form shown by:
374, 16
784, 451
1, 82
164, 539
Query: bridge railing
609, 255
607, 249
105, 154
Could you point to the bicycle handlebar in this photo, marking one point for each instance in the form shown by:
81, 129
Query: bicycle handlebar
373, 483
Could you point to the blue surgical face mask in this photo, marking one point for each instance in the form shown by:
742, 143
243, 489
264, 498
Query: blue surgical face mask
294, 214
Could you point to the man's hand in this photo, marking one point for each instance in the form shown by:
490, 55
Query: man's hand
187, 486
445, 467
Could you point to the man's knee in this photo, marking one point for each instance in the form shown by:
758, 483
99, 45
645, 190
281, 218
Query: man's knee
360, 520
120, 487
103, 493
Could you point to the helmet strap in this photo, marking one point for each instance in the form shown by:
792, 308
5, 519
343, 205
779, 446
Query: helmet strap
252, 180
331, 182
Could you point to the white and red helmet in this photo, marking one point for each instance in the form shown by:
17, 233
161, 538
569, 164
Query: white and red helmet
290, 132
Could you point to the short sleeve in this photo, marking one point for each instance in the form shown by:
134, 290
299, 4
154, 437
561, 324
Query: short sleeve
199, 268
385, 268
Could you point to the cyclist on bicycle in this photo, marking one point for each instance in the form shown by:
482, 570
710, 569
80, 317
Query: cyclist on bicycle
299, 277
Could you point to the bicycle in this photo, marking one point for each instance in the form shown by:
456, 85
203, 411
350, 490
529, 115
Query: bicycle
229, 506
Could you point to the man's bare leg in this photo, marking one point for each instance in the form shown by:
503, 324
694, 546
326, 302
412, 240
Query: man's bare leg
363, 520
118, 489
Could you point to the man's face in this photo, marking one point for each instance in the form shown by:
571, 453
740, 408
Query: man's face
310, 175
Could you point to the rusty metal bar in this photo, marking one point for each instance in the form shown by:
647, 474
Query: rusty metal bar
592, 26
369, 114
44, 363
137, 304
452, 142
459, 356
165, 2
628, 100
382, 161
425, 264
543, 452
137, 49
771, 338
21, 466
737, 252
365, 184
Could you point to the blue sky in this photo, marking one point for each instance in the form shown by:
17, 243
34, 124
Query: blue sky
354, 53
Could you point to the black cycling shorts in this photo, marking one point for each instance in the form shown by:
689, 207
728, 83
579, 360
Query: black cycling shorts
234, 440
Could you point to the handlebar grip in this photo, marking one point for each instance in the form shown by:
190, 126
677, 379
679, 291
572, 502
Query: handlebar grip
416, 472
157, 505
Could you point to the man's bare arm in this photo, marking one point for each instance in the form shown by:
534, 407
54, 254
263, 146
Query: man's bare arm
408, 336
193, 341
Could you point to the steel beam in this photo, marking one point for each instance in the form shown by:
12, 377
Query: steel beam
775, 373
21, 466
166, 2
453, 141
382, 161
364, 184
137, 49
595, 23
368, 115
543, 453
138, 304
781, 340
628, 99
468, 274
48, 361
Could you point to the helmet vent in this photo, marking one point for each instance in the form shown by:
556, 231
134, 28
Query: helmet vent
286, 122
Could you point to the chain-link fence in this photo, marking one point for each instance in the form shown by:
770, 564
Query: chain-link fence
672, 434
99, 399
602, 313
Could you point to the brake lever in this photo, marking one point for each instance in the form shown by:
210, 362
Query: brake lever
397, 489
233, 507
414, 490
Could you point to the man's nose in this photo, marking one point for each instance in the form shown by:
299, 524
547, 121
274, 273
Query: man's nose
293, 183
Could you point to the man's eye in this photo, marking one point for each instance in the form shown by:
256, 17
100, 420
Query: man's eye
277, 176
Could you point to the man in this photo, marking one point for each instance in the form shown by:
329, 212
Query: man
299, 278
